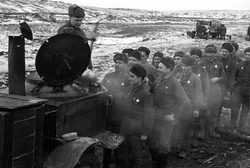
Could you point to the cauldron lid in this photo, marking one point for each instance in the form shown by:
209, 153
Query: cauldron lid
62, 58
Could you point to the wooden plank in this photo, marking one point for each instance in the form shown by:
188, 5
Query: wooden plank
25, 161
24, 114
23, 146
8, 140
10, 101
39, 131
24, 129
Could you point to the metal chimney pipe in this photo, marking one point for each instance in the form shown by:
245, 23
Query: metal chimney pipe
16, 65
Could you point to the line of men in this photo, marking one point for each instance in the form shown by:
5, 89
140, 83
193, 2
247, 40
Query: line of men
167, 104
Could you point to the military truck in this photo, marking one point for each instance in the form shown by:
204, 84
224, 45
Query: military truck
206, 29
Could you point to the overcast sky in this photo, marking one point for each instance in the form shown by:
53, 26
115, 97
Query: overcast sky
168, 5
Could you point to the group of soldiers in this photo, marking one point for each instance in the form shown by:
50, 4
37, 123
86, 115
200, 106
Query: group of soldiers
173, 102
169, 104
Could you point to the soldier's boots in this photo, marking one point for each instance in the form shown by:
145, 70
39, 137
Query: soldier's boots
201, 134
243, 130
232, 124
155, 157
242, 125
163, 160
211, 128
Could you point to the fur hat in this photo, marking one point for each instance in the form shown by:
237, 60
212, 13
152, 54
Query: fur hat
135, 54
127, 50
188, 61
235, 45
139, 71
121, 57
196, 51
247, 50
168, 62
144, 49
211, 48
76, 11
158, 54
228, 47
179, 54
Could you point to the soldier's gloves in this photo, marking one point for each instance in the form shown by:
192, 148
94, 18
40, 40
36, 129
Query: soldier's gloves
215, 79
144, 140
196, 113
169, 118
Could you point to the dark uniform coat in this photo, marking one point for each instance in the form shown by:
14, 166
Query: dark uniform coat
170, 97
77, 31
193, 88
116, 82
229, 68
202, 74
241, 93
214, 69
139, 116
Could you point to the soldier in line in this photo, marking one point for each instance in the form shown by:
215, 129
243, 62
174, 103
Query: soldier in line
138, 120
241, 93
152, 73
170, 105
234, 57
216, 75
229, 68
115, 82
134, 57
178, 64
156, 59
204, 113
191, 84
126, 51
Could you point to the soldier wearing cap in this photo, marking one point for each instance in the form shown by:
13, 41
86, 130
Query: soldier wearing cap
241, 93
234, 57
115, 82
191, 84
138, 120
152, 73
199, 130
216, 75
76, 15
229, 68
156, 59
170, 105
178, 64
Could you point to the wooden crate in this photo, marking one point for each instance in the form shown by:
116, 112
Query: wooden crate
21, 131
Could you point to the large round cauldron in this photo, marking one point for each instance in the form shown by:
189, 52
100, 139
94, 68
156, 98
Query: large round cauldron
62, 58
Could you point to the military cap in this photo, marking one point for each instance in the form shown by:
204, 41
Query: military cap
228, 47
127, 50
188, 61
121, 57
179, 54
76, 11
235, 45
158, 54
196, 51
135, 54
211, 48
144, 49
247, 50
139, 71
168, 62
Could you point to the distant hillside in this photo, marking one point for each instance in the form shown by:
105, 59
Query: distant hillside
46, 10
